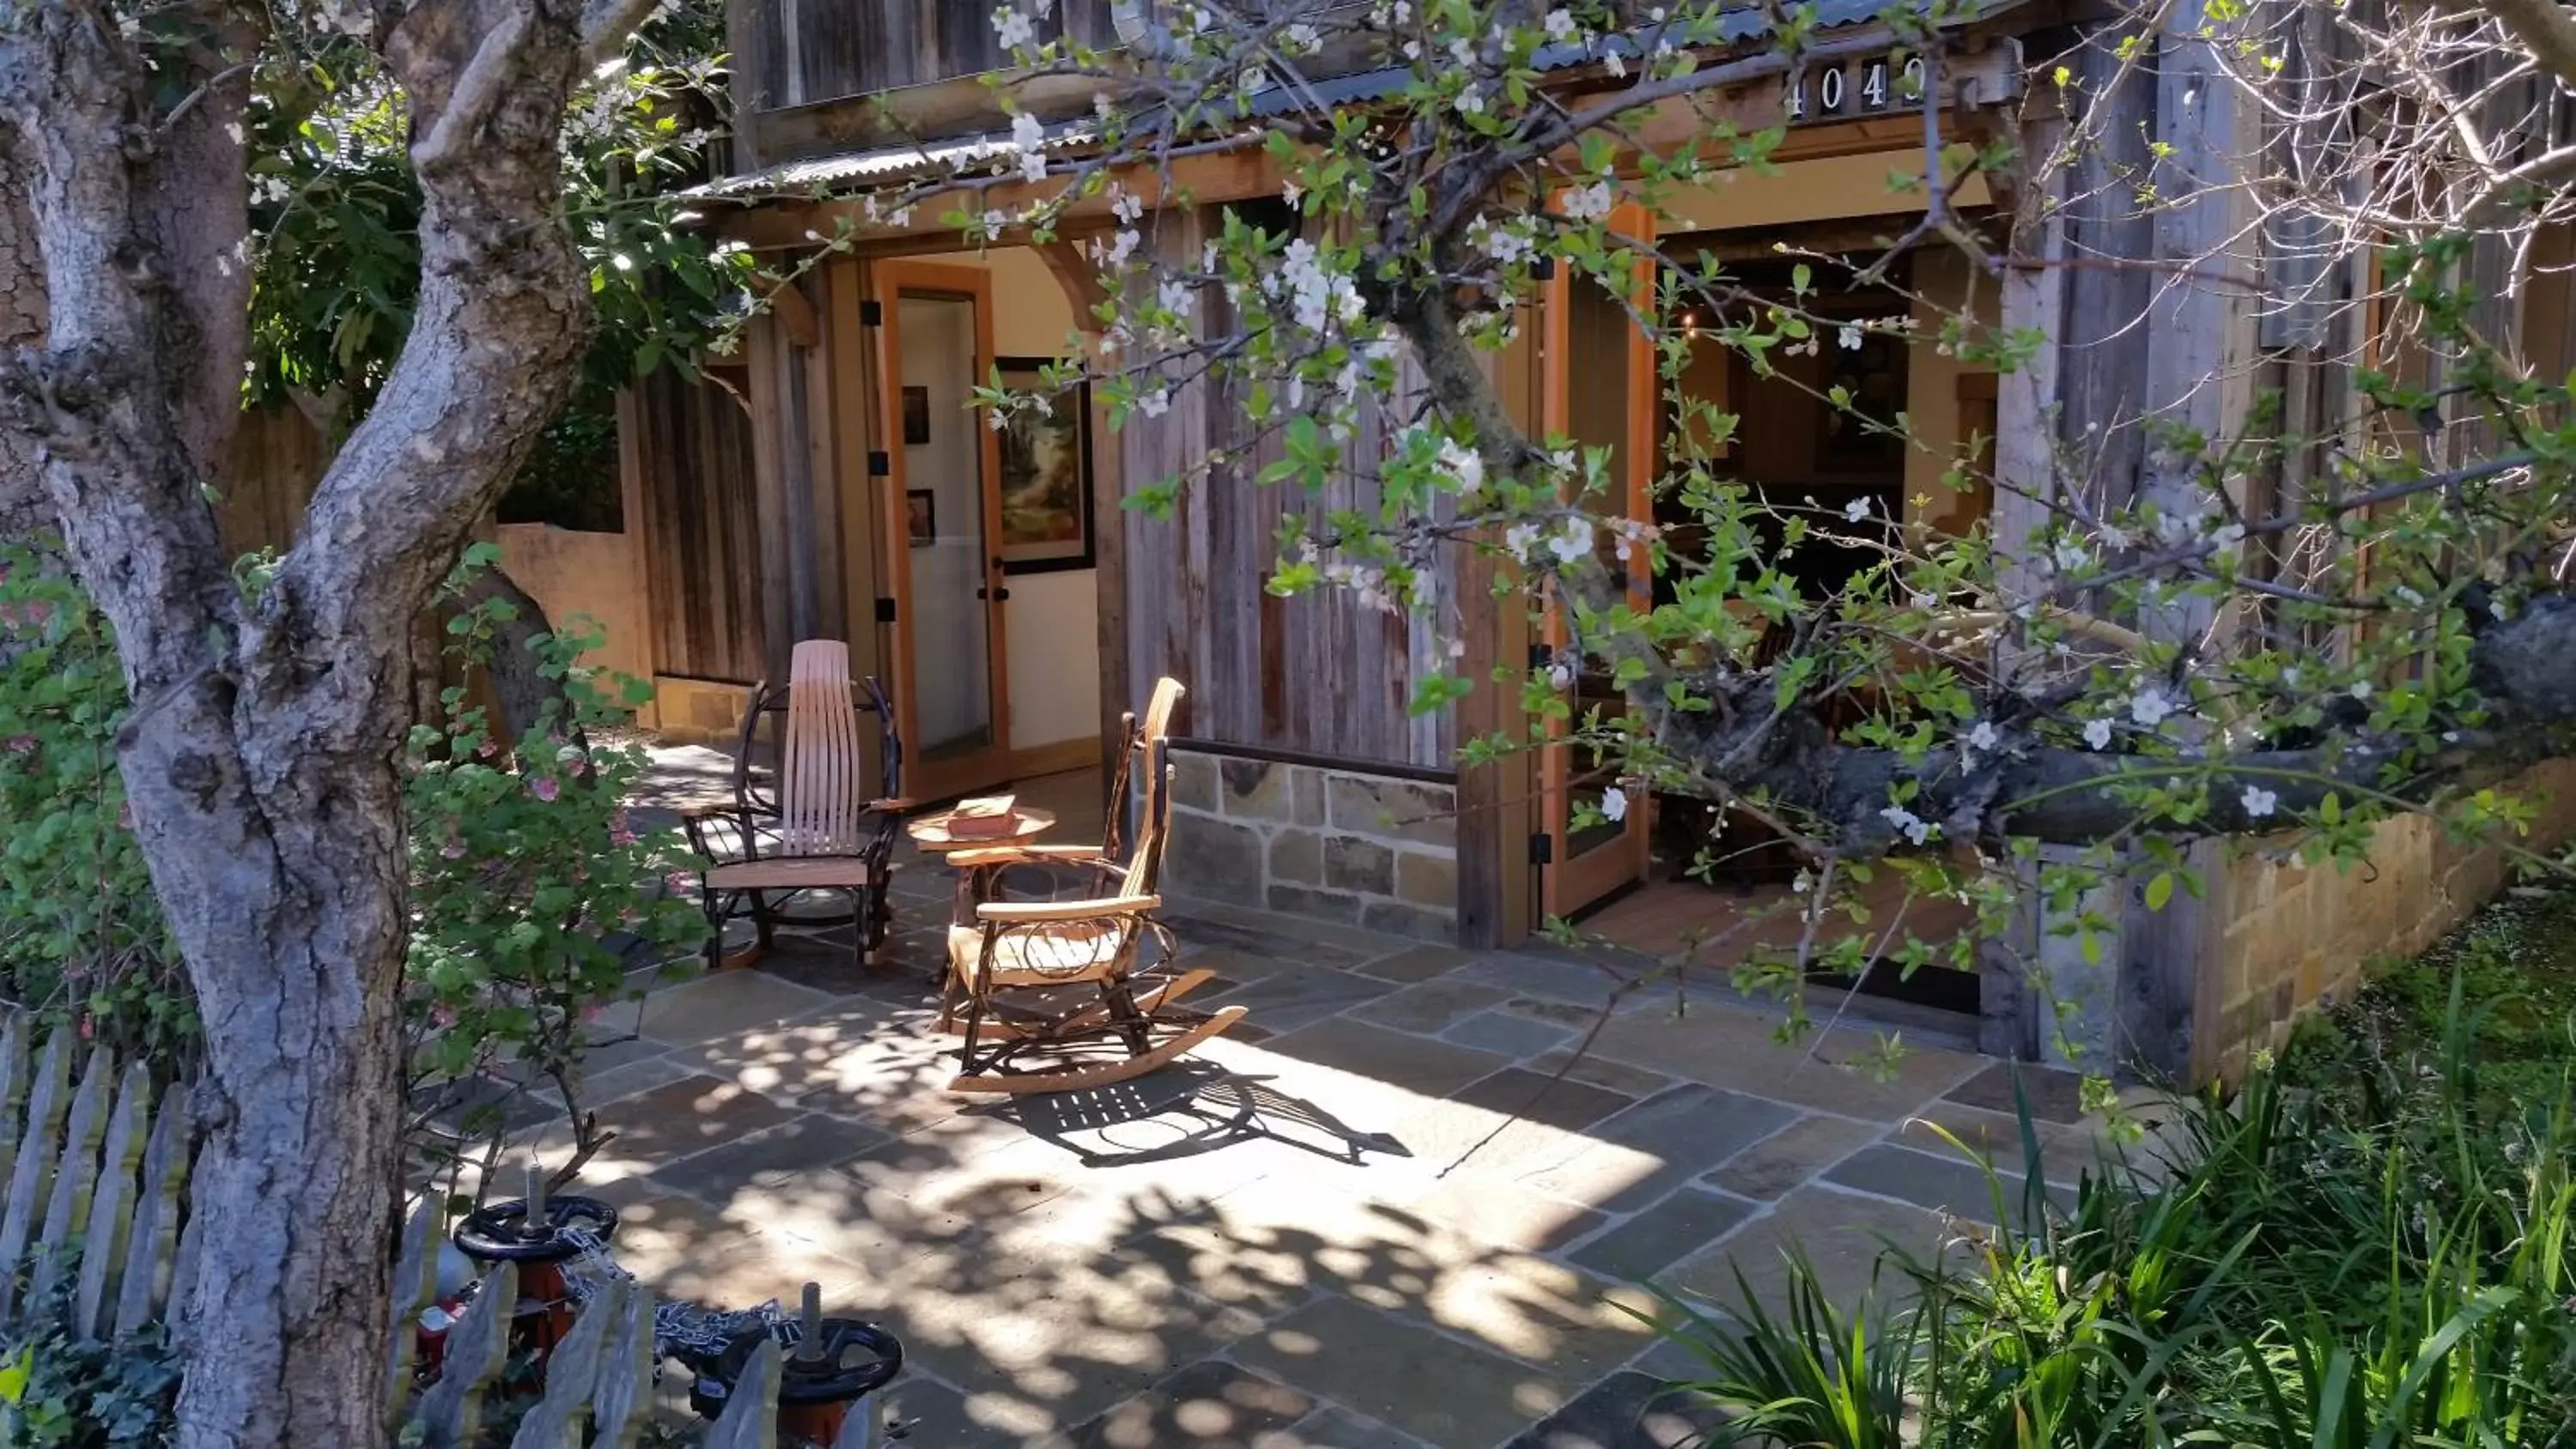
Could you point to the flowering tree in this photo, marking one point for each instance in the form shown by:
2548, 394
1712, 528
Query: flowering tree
260, 756
2197, 610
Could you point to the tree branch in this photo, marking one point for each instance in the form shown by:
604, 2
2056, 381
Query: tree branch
2547, 27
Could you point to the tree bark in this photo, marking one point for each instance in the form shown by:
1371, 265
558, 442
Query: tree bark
259, 754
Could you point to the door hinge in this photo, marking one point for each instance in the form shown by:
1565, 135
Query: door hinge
880, 465
872, 313
885, 611
1543, 270
1542, 849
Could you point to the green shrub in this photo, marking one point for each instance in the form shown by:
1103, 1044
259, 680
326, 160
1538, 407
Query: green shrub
2286, 1271
59, 1390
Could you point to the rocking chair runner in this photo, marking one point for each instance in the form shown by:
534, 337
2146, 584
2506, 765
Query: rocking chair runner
1021, 967
813, 827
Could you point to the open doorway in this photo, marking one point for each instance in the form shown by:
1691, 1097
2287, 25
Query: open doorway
1707, 869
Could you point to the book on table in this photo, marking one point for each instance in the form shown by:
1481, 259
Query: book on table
989, 815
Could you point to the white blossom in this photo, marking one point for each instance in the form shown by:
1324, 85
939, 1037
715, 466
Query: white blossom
2228, 535
1572, 541
2097, 734
2114, 538
2149, 707
995, 220
1614, 804
1618, 67
1014, 30
1465, 466
1471, 101
1984, 736
2361, 689
1559, 24
1589, 203
2070, 557
1849, 337
1029, 135
2260, 802
1857, 509
1908, 824
1178, 295
1156, 403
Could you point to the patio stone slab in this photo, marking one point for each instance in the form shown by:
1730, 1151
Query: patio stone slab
1842, 1235
1574, 982
1628, 1410
2066, 1151
1391, 1059
1209, 1405
1433, 1006
1654, 1147
2052, 1094
769, 1158
859, 1059
686, 1116
1416, 1379
1736, 1049
1420, 963
1662, 1235
1792, 1155
1288, 1000
1338, 1428
1594, 1069
924, 1412
1513, 1036
682, 1248
1945, 1183
724, 1005
1555, 1101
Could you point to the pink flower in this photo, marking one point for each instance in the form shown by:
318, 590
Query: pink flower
544, 787
488, 749
620, 832
681, 882
594, 1011
88, 1028
454, 849
124, 816
22, 744
442, 1015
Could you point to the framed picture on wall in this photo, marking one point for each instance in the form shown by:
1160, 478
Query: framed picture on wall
1046, 474
916, 416
921, 517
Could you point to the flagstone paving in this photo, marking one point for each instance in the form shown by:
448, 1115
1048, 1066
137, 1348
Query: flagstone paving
1399, 1212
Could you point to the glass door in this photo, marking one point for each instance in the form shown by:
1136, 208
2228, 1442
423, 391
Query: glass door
938, 461
1599, 388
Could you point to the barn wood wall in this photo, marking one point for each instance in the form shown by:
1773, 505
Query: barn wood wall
698, 531
1319, 674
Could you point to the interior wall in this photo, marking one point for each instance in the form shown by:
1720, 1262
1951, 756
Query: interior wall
1052, 621
950, 680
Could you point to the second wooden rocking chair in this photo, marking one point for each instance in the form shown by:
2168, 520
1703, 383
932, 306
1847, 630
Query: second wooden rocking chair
1051, 993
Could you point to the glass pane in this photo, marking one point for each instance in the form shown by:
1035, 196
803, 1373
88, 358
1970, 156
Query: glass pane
943, 469
1598, 331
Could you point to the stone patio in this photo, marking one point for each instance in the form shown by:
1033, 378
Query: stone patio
1394, 1208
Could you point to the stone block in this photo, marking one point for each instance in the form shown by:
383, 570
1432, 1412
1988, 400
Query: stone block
1215, 858
1393, 809
1297, 857
1254, 789
1306, 795
1363, 866
1325, 905
1427, 878
1398, 919
1194, 781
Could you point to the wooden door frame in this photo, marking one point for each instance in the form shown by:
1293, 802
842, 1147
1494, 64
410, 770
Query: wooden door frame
1568, 883
888, 280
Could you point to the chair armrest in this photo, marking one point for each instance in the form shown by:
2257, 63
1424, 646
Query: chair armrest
1027, 855
1020, 913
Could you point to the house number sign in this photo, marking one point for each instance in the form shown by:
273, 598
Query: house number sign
1854, 88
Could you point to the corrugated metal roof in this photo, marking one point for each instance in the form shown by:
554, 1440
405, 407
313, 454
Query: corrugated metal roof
893, 163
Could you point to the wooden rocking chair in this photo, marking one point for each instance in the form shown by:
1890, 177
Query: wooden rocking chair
1021, 967
812, 826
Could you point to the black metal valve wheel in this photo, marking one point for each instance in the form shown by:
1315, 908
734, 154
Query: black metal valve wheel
501, 1232
857, 1359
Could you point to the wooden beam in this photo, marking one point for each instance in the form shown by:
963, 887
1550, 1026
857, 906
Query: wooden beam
1203, 180
796, 314
1080, 279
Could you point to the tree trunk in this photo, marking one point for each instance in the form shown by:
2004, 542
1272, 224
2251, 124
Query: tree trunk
259, 757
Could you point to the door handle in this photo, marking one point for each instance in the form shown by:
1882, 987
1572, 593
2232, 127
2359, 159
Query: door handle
1001, 594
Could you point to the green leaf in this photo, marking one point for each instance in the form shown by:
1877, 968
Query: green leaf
2160, 890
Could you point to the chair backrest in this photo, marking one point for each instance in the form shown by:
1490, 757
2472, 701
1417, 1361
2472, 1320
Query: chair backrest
1146, 764
822, 786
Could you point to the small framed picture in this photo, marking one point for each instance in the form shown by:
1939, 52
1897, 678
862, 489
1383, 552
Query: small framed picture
921, 517
1046, 474
916, 416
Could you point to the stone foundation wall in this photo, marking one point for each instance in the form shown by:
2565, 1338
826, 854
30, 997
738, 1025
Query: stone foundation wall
1337, 844
2294, 936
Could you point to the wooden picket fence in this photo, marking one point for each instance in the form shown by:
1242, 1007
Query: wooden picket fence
96, 1179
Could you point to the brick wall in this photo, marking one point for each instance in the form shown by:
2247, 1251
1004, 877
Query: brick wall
2292, 936
1338, 844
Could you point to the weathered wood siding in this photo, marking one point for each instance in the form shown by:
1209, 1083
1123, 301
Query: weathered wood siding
277, 458
1319, 674
806, 51
700, 534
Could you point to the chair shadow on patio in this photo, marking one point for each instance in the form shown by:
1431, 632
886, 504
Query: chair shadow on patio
1188, 1110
